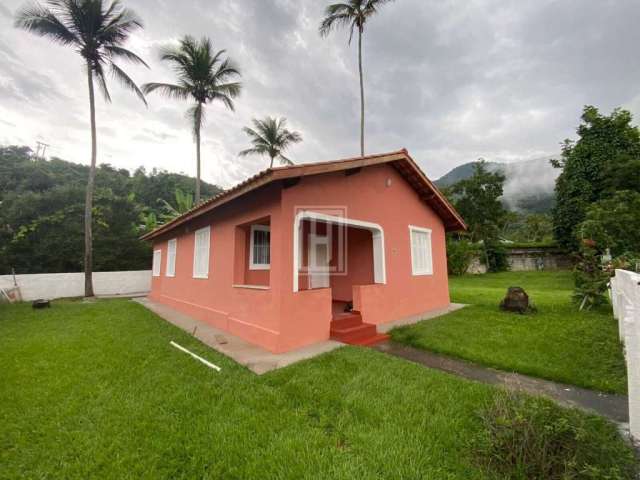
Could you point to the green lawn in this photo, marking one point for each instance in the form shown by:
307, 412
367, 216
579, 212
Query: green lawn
96, 391
557, 343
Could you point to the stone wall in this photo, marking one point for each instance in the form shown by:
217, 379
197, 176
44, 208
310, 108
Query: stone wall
529, 259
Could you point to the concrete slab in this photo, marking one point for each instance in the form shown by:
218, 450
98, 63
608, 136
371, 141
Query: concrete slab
255, 358
385, 327
614, 407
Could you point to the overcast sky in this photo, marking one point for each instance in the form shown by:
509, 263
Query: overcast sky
449, 80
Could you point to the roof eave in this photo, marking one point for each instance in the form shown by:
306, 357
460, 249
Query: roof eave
454, 223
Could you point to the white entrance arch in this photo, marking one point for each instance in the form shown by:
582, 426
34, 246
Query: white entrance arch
377, 235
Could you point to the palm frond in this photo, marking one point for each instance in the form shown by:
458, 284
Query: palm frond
197, 116
98, 28
37, 19
334, 21
285, 160
118, 24
126, 81
167, 89
102, 82
251, 151
352, 14
119, 52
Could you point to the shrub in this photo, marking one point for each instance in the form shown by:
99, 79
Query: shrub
590, 279
532, 438
495, 256
460, 255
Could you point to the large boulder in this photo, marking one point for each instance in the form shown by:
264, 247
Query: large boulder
516, 300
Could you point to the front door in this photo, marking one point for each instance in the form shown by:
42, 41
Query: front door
319, 258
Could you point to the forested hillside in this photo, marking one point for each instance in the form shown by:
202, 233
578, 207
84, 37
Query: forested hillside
42, 205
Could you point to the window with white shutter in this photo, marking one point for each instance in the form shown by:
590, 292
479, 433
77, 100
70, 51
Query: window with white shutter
259, 247
201, 253
421, 259
171, 258
157, 258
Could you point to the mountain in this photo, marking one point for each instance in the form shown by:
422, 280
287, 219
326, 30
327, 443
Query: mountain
528, 185
462, 172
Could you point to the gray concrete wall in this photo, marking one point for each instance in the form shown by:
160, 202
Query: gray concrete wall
62, 285
528, 259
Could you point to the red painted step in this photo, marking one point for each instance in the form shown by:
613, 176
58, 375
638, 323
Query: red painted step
368, 342
345, 320
349, 328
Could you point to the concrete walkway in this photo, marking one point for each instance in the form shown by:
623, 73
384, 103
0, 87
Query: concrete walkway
611, 406
255, 358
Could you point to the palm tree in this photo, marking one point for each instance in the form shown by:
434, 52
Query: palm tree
184, 203
97, 30
203, 76
270, 137
352, 14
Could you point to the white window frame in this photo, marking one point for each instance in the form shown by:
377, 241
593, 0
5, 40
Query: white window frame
429, 268
205, 274
252, 264
172, 248
157, 262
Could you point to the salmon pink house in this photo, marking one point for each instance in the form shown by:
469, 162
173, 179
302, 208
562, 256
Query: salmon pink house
300, 254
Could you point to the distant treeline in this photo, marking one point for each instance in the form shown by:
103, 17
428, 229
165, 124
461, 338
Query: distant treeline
42, 206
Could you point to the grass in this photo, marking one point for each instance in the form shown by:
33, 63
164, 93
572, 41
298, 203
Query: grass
96, 391
556, 343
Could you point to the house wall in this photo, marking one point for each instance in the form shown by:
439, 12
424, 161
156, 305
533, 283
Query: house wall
253, 314
359, 263
278, 318
380, 195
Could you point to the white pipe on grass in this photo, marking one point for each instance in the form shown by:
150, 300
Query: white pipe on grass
206, 362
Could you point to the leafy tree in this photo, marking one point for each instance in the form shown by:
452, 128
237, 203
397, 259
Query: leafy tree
270, 137
154, 188
184, 203
42, 210
495, 255
352, 14
477, 199
527, 228
614, 223
97, 31
590, 279
204, 76
460, 254
604, 159
42, 231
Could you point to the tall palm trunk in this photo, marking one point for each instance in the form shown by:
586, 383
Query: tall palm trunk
88, 202
361, 92
271, 165
198, 124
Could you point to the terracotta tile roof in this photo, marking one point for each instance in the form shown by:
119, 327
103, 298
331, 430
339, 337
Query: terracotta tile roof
401, 160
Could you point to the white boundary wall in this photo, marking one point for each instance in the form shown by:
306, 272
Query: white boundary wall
60, 285
625, 298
